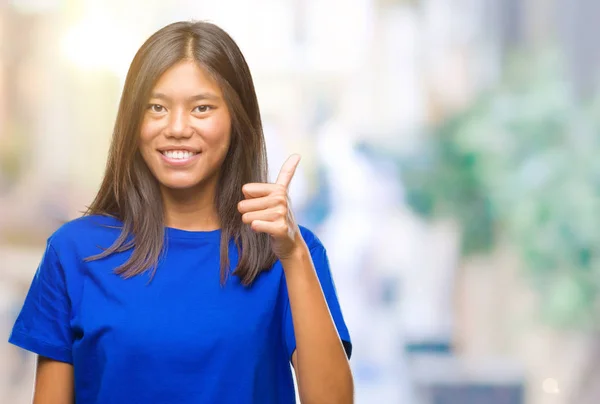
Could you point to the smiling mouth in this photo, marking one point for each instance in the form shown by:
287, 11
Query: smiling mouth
179, 154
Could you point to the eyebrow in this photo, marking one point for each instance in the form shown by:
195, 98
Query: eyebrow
197, 97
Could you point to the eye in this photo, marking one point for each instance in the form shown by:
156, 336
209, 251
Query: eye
203, 108
156, 108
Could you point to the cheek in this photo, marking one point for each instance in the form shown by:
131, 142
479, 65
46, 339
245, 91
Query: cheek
148, 131
146, 140
218, 134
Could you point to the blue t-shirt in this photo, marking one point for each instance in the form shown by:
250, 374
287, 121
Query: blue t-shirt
181, 338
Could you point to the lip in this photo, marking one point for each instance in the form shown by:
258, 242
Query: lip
179, 162
182, 148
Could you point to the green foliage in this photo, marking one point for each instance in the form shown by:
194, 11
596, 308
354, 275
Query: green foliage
522, 163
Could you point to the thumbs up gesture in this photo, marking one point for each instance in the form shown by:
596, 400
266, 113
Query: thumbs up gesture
267, 209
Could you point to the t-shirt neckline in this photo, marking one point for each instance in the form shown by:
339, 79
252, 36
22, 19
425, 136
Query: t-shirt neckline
173, 232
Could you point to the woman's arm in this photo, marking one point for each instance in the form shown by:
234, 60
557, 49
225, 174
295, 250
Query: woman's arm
321, 365
54, 382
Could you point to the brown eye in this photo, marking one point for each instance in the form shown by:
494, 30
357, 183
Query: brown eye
203, 108
156, 108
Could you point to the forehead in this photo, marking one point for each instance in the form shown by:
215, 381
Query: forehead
186, 77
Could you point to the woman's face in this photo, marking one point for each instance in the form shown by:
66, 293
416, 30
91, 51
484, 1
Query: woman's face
186, 128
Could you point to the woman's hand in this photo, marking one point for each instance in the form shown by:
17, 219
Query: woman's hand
267, 209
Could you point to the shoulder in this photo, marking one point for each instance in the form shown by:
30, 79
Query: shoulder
310, 238
85, 229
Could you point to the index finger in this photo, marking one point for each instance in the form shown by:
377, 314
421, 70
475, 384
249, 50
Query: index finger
287, 170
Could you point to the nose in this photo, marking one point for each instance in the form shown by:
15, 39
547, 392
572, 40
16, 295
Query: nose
178, 125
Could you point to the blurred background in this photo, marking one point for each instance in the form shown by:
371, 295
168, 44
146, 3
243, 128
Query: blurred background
448, 166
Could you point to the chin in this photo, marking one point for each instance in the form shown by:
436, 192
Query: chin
179, 183
185, 181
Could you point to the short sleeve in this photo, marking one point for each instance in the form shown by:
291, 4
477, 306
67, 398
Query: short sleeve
321, 263
43, 325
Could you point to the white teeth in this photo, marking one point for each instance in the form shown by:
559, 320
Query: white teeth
178, 154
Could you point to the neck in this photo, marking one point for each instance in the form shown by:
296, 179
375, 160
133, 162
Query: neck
190, 209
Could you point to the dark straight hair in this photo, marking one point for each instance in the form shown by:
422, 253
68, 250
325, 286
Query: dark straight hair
131, 193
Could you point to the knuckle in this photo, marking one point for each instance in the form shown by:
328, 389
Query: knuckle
281, 199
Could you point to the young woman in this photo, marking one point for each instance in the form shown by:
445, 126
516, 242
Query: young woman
188, 280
